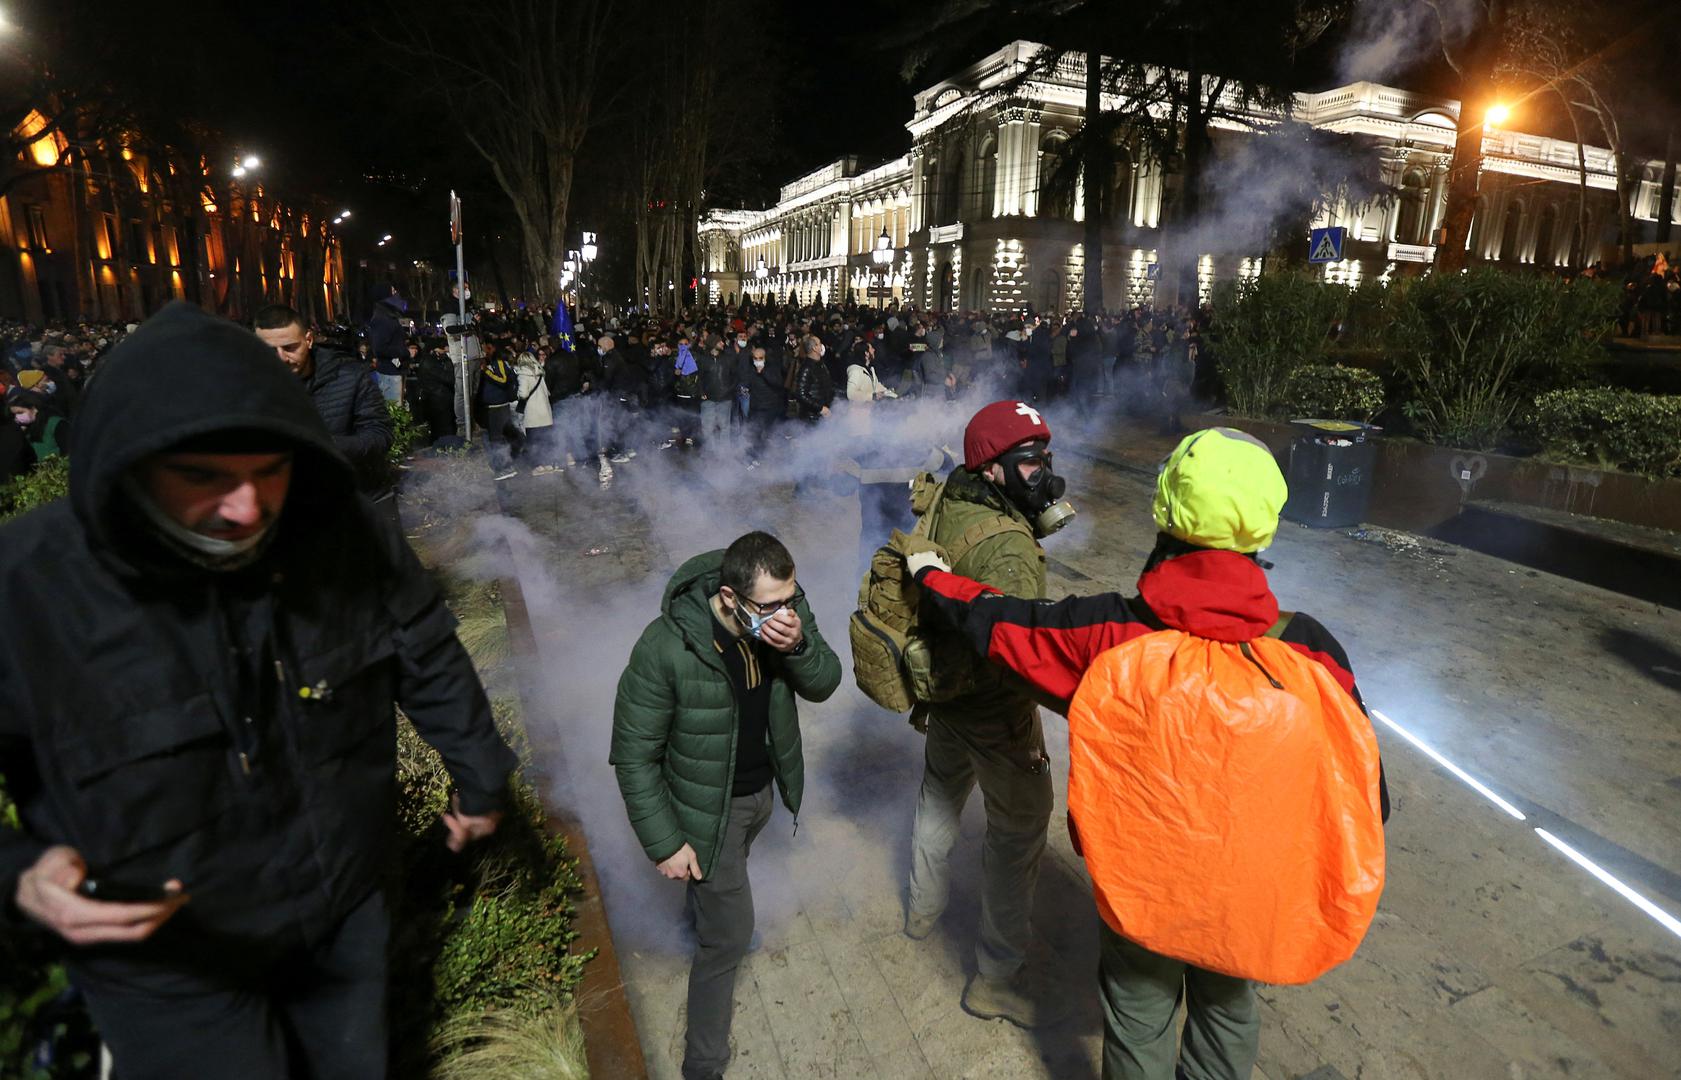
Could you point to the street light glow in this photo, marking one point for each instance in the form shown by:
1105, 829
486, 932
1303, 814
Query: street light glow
1499, 114
344, 213
251, 161
384, 238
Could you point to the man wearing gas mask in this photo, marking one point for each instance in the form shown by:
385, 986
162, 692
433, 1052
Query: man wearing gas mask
993, 511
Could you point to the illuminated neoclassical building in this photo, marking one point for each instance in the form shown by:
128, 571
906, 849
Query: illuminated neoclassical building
970, 230
109, 227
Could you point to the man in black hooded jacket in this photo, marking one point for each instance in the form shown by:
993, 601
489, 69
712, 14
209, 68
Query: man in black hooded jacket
344, 393
206, 723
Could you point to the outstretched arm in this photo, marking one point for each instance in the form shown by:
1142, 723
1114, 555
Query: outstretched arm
1050, 644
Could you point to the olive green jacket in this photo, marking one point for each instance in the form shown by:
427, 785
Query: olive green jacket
1013, 563
675, 724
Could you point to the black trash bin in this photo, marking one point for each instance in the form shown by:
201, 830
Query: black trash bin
1330, 473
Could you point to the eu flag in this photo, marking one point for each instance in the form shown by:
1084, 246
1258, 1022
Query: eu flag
560, 328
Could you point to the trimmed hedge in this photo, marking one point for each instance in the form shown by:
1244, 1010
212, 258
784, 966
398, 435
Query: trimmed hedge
1609, 428
1332, 392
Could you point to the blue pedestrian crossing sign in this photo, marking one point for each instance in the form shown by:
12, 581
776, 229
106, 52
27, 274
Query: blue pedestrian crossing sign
1325, 245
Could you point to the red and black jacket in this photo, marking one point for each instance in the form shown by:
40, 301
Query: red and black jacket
1219, 595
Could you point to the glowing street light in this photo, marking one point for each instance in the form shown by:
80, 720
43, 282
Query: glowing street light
384, 238
589, 248
344, 213
1498, 114
238, 172
251, 161
762, 271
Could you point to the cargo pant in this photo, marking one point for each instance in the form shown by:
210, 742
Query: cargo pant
1018, 812
1141, 992
722, 906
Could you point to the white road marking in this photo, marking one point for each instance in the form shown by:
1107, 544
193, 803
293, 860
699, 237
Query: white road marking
1664, 919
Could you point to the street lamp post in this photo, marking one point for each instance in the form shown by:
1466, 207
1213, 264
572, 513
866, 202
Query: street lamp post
761, 273
882, 257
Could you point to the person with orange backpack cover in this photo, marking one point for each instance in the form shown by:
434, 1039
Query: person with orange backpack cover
1224, 788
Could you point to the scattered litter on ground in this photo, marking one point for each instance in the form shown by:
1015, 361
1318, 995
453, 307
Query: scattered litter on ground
590, 552
1400, 543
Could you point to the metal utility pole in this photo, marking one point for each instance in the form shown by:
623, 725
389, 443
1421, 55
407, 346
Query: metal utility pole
461, 311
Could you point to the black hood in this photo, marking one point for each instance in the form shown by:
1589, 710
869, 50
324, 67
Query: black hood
184, 374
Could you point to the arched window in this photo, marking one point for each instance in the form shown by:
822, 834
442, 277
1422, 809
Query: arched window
1413, 221
1120, 187
986, 184
1545, 226
1056, 191
952, 190
1510, 232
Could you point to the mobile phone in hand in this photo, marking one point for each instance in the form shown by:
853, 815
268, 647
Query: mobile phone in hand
120, 892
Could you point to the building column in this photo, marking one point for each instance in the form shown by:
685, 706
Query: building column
1018, 151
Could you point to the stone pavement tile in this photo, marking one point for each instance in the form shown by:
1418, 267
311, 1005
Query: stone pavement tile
815, 1034
926, 977
959, 1047
875, 1009
905, 1063
1404, 968
1617, 989
1537, 1049
1491, 892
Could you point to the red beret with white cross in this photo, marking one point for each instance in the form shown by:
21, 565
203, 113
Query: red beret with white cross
998, 427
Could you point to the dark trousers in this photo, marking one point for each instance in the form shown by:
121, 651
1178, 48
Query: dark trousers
252, 1013
722, 906
437, 412
503, 441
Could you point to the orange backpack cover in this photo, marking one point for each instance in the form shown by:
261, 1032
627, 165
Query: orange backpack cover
1225, 822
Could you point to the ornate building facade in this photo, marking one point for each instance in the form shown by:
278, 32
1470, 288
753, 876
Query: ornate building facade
972, 227
110, 227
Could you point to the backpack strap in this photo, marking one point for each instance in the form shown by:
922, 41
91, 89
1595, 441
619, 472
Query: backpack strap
983, 531
1276, 632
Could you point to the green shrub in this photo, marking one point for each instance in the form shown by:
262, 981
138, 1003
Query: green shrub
406, 430
41, 485
1611, 428
1332, 392
1366, 315
1266, 327
1472, 348
500, 1046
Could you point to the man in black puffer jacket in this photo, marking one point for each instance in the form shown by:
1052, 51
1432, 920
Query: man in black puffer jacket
206, 723
344, 393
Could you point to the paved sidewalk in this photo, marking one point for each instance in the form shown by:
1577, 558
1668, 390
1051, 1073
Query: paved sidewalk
1492, 956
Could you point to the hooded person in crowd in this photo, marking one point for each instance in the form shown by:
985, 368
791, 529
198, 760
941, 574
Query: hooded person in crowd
43, 429
200, 742
1224, 783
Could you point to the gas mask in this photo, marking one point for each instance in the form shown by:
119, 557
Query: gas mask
1040, 498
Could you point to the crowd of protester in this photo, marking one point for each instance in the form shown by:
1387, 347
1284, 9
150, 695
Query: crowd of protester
724, 380
42, 373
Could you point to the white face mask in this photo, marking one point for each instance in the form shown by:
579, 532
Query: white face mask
758, 364
217, 554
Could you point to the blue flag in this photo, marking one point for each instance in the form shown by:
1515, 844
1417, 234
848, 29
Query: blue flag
561, 327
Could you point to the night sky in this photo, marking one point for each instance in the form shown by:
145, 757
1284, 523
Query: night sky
301, 83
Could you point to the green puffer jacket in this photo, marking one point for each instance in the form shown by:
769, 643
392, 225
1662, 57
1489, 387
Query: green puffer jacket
1014, 564
674, 719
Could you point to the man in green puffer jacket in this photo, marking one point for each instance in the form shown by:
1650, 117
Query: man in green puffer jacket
704, 721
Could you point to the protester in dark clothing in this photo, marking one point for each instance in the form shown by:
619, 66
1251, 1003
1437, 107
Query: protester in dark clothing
809, 383
45, 431
498, 391
344, 393
1085, 359
434, 382
767, 402
388, 345
209, 716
